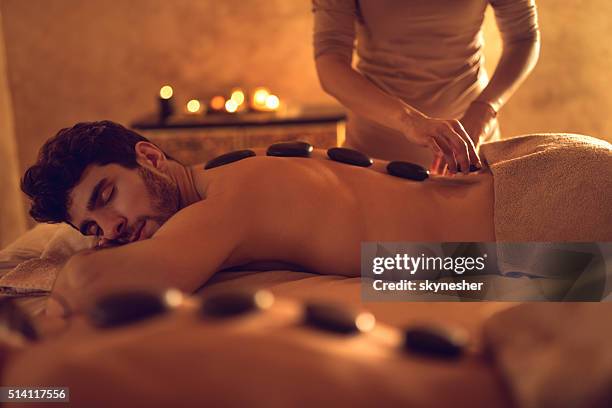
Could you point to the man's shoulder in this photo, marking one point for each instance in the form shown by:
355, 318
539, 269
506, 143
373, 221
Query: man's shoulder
214, 213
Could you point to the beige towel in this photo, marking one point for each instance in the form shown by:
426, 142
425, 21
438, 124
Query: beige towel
36, 276
551, 187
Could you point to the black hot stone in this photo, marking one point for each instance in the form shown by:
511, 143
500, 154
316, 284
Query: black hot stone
435, 342
290, 149
119, 309
330, 317
407, 170
473, 168
228, 158
228, 304
349, 156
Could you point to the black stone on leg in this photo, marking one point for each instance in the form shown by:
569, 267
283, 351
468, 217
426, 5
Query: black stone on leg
331, 318
228, 158
229, 304
290, 149
407, 170
123, 308
349, 156
435, 342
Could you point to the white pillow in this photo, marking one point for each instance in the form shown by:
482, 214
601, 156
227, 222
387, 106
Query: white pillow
29, 265
28, 246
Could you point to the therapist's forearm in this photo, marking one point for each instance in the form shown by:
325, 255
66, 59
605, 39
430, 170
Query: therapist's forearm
517, 61
361, 96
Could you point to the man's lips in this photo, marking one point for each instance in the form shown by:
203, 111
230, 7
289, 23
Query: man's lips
138, 232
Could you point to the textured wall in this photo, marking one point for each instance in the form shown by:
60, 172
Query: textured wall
74, 60
12, 218
569, 90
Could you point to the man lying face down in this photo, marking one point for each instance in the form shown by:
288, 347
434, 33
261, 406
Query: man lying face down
163, 224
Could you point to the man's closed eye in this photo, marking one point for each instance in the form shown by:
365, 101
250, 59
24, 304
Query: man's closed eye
108, 195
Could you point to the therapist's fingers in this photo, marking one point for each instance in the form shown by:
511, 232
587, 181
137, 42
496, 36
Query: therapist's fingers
438, 164
459, 146
447, 151
473, 156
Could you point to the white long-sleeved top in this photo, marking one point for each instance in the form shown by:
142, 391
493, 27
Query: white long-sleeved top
426, 52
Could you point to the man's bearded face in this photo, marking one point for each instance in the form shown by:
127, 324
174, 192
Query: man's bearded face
121, 205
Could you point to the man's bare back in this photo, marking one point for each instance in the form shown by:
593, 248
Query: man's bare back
315, 212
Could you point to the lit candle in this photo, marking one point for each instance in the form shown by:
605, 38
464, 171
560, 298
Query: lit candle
258, 102
237, 96
231, 106
166, 107
217, 103
194, 106
272, 102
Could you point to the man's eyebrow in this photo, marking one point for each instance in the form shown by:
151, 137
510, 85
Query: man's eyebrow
93, 199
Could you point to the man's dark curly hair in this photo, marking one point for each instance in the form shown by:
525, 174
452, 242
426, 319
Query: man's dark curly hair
63, 158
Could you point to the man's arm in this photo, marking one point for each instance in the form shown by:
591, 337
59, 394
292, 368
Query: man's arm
184, 253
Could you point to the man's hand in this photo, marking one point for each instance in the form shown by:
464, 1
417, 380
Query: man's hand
479, 122
67, 296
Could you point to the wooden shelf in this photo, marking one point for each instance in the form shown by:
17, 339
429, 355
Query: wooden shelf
195, 139
303, 115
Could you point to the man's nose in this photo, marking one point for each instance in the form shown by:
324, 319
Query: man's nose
113, 227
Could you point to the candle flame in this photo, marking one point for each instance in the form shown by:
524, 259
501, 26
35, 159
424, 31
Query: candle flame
259, 96
238, 96
272, 102
193, 106
166, 92
217, 102
231, 106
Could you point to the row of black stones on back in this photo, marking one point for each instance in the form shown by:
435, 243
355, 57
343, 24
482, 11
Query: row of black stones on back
120, 309
401, 169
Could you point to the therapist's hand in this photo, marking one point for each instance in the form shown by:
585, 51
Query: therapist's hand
447, 138
479, 122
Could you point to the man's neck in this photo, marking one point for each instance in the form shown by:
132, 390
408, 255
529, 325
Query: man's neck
183, 177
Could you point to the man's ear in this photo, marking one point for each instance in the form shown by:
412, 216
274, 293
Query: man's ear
147, 154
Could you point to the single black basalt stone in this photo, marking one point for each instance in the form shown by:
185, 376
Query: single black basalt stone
119, 309
407, 170
228, 158
435, 342
12, 318
228, 304
349, 156
473, 168
290, 149
331, 317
